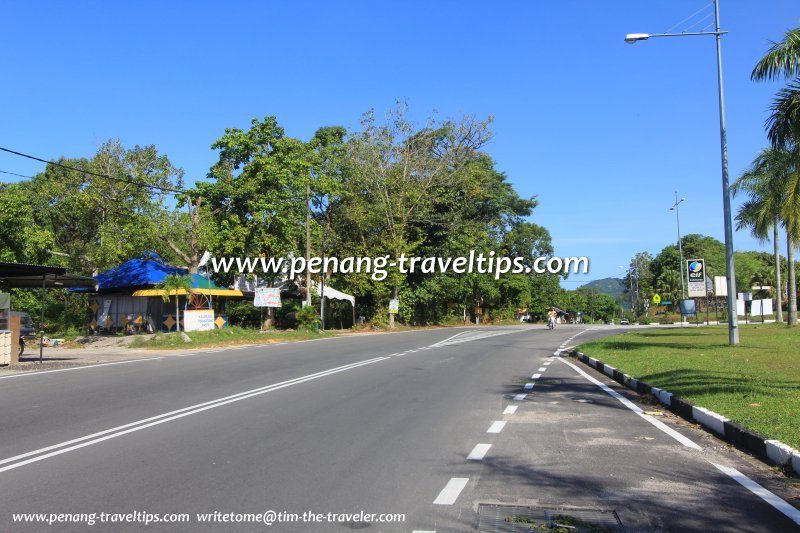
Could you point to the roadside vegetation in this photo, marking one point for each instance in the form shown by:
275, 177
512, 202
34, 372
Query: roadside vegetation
223, 337
755, 384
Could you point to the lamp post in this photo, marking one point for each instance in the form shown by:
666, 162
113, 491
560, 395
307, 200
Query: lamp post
733, 321
680, 245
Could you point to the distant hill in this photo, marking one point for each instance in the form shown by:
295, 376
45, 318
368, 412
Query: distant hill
613, 286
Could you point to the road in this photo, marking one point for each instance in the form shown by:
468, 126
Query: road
445, 427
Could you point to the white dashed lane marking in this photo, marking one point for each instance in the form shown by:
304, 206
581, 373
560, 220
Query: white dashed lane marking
450, 492
536, 376
520, 397
478, 452
528, 386
497, 426
510, 410
542, 368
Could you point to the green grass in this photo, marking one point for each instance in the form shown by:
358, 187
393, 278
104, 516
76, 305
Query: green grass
222, 337
755, 384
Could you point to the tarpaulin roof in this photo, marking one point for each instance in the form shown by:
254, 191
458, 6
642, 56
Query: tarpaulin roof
147, 270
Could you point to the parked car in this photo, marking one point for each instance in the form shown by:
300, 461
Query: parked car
624, 322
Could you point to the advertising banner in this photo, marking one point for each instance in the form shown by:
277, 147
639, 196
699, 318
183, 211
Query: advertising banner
696, 269
267, 297
198, 320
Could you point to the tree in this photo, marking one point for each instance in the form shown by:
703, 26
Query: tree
177, 285
399, 175
118, 192
766, 183
782, 61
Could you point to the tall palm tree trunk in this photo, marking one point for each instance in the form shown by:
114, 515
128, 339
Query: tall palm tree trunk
177, 313
778, 285
792, 282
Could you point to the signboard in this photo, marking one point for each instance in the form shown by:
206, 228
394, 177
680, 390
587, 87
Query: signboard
394, 306
198, 320
720, 286
696, 269
688, 307
656, 299
267, 297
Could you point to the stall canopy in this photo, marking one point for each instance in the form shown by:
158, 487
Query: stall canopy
148, 270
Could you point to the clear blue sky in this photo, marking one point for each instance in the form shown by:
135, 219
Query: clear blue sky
601, 131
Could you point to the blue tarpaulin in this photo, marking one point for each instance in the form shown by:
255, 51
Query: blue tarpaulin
146, 271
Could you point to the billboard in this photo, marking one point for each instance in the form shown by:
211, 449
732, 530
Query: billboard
696, 269
267, 297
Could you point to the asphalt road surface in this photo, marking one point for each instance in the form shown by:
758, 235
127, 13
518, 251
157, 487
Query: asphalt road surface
436, 430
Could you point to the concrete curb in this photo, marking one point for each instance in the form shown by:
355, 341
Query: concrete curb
765, 449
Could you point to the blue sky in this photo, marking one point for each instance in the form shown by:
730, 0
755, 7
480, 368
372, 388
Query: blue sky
601, 131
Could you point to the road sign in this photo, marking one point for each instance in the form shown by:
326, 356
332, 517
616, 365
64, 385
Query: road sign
656, 299
394, 306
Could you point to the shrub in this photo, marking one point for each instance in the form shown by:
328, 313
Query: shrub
308, 318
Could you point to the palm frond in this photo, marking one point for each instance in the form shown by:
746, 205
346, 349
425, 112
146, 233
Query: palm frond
781, 61
783, 125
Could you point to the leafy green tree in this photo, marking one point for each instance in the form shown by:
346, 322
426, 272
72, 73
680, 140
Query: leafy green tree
397, 174
87, 213
176, 285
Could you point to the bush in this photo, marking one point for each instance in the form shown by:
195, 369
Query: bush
308, 318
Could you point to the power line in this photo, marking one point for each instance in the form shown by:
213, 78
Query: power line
130, 181
15, 174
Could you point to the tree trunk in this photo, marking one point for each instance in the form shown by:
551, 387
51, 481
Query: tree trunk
177, 314
792, 282
391, 315
778, 286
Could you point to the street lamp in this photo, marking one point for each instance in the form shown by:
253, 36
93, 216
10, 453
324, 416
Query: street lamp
733, 321
680, 245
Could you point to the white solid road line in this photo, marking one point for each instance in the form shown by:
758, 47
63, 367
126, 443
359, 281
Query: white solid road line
478, 452
528, 386
510, 410
635, 408
450, 492
761, 492
497, 426
520, 397
37, 372
107, 434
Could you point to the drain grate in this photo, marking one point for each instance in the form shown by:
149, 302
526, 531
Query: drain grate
496, 518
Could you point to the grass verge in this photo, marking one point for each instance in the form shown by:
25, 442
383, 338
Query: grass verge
222, 337
755, 384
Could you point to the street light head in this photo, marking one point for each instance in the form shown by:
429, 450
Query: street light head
683, 199
633, 37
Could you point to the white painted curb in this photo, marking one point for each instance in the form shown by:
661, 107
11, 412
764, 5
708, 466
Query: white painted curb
609, 370
710, 419
666, 398
780, 452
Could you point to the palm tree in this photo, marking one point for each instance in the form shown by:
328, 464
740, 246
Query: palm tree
782, 61
177, 285
766, 183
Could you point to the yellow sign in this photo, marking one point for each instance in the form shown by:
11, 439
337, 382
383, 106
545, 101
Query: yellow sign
656, 299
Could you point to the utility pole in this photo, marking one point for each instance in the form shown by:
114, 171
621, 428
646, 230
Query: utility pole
308, 242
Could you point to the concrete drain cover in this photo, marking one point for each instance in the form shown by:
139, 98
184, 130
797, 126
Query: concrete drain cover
495, 518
